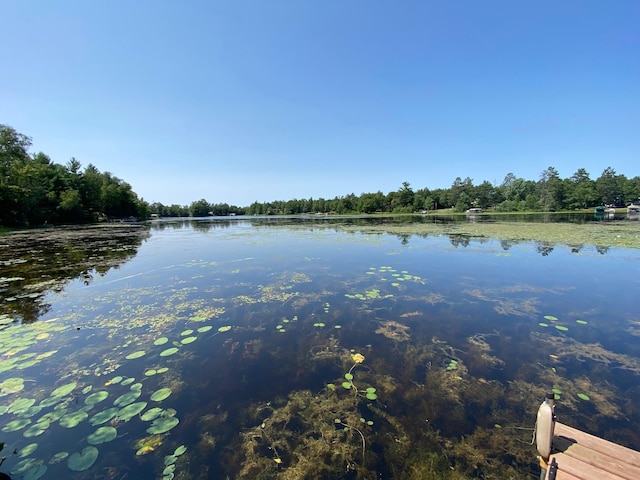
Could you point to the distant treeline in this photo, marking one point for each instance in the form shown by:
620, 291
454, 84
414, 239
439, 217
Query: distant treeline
549, 193
35, 191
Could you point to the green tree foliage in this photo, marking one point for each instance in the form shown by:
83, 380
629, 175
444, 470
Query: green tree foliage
36, 191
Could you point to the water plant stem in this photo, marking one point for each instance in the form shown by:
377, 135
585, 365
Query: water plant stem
361, 436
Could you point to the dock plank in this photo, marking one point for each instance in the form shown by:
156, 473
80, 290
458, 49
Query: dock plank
581, 456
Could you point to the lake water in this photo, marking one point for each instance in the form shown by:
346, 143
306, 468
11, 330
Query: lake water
297, 349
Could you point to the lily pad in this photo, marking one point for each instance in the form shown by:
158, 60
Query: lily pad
127, 398
36, 429
35, 472
102, 435
161, 341
562, 328
79, 462
21, 405
551, 318
73, 419
168, 351
186, 333
581, 322
64, 389
583, 396
96, 397
127, 413
134, 355
225, 328
27, 450
179, 450
151, 372
151, 414
58, 457
162, 425
206, 328
128, 381
188, 340
161, 394
104, 416
11, 385
15, 425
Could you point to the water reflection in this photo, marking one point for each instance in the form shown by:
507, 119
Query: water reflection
38, 261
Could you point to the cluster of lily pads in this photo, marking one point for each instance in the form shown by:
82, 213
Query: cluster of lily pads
562, 328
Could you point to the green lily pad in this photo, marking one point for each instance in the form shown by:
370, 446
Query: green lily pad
151, 372
27, 450
168, 351
36, 429
371, 396
162, 370
583, 396
161, 341
58, 457
128, 381
179, 450
49, 401
104, 416
162, 425
114, 380
64, 389
168, 470
35, 472
73, 419
206, 328
87, 389
15, 425
170, 460
134, 355
346, 385
96, 397
562, 328
543, 324
225, 328
188, 340
79, 462
161, 394
186, 333
127, 413
21, 405
581, 322
23, 465
551, 318
127, 398
11, 385
136, 386
102, 435
151, 414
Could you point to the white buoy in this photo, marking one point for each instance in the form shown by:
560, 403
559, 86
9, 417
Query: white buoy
545, 425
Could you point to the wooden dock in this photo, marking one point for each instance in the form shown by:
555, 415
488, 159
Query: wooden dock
581, 456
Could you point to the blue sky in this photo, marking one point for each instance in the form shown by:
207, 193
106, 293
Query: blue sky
237, 101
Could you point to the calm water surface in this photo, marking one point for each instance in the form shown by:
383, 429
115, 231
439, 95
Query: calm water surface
234, 349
